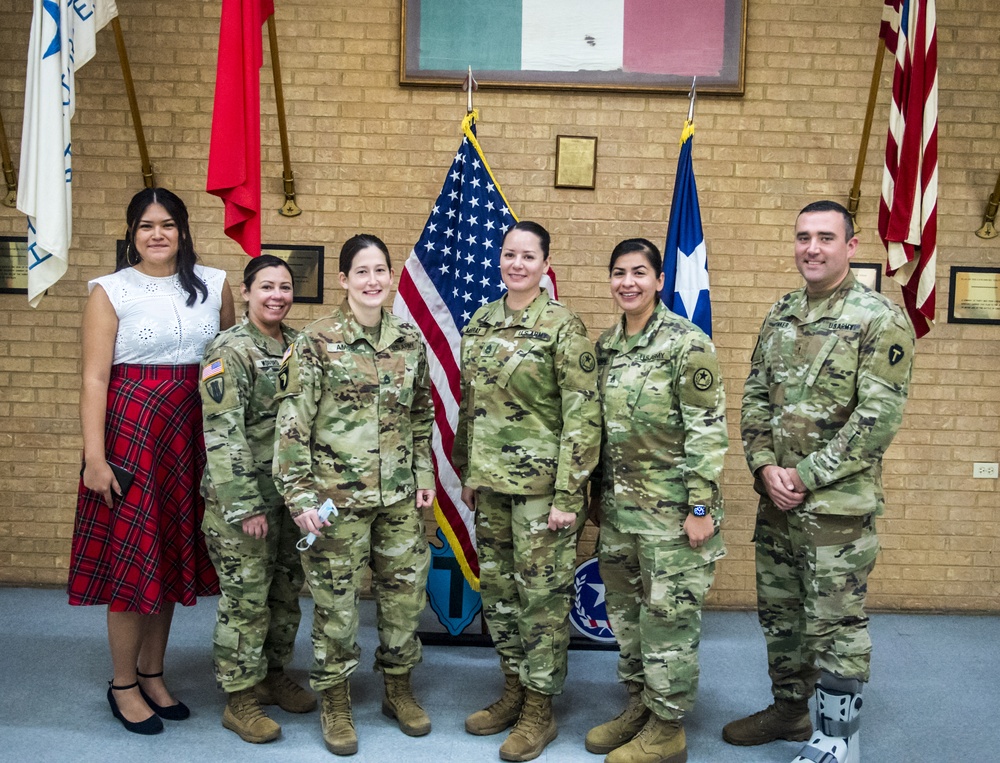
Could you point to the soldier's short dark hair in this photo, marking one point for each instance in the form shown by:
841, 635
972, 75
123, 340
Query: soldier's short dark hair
642, 245
831, 206
532, 227
355, 244
257, 264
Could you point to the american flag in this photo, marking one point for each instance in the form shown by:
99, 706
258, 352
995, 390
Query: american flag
907, 219
453, 270
685, 258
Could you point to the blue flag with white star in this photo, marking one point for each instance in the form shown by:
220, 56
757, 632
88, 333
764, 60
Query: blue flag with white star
685, 259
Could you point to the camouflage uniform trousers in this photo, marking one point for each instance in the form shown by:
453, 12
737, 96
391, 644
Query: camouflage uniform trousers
526, 581
655, 612
393, 540
258, 614
812, 580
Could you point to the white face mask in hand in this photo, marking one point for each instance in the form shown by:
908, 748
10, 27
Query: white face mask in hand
324, 512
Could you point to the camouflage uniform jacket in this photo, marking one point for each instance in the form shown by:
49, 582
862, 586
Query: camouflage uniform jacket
665, 436
825, 394
530, 422
238, 380
354, 421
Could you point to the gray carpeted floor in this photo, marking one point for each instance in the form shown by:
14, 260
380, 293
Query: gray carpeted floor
935, 696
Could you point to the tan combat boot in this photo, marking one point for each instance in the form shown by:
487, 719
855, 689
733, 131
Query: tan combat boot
659, 741
604, 738
278, 689
337, 722
534, 729
785, 719
501, 714
244, 715
400, 704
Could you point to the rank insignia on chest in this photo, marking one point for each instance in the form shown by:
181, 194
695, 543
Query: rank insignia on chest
490, 350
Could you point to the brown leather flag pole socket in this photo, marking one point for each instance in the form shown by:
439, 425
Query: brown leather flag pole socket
855, 198
988, 229
289, 208
10, 200
147, 170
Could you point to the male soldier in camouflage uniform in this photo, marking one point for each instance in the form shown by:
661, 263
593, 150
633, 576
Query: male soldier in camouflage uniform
250, 536
527, 438
354, 425
657, 499
824, 398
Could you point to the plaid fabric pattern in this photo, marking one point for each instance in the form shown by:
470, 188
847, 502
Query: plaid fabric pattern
149, 549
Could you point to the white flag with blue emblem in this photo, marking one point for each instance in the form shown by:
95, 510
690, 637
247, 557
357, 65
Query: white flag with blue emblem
685, 259
62, 39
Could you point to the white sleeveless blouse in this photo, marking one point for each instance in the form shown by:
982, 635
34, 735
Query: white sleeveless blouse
155, 325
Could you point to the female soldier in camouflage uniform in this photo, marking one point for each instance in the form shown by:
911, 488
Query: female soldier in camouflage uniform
527, 438
355, 426
251, 537
657, 490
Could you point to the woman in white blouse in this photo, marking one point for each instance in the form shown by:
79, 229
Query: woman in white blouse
137, 543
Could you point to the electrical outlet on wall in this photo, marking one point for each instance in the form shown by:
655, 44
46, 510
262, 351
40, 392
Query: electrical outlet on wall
985, 471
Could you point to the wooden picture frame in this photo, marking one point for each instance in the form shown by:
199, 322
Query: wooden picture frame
974, 295
628, 46
13, 265
870, 274
576, 162
306, 264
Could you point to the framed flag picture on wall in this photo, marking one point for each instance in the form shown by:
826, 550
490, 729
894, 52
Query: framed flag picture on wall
618, 45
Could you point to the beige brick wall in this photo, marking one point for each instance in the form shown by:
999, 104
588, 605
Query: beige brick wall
369, 155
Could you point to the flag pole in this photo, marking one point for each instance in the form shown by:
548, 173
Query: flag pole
855, 198
692, 97
990, 215
10, 200
147, 170
470, 85
289, 208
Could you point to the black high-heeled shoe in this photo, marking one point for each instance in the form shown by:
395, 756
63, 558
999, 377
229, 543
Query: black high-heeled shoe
152, 725
178, 712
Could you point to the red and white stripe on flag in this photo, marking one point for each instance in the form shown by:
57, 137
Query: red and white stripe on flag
907, 220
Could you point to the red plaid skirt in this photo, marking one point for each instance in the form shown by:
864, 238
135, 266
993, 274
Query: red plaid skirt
149, 549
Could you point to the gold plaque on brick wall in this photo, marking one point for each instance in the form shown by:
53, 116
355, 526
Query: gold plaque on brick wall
576, 162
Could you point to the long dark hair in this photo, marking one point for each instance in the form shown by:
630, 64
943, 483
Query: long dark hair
186, 255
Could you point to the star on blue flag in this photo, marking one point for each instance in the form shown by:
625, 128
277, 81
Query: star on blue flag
685, 259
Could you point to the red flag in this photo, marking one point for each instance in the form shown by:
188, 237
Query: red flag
234, 154
907, 220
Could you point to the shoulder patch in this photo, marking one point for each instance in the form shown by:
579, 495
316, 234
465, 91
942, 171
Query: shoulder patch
895, 354
703, 379
214, 368
587, 362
